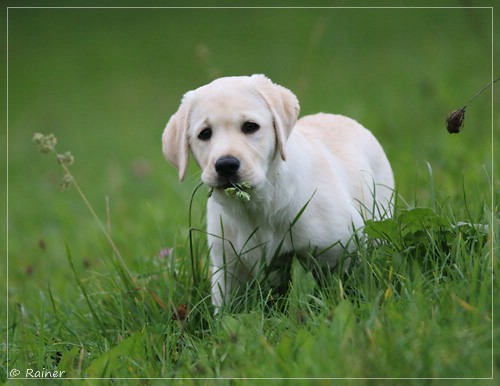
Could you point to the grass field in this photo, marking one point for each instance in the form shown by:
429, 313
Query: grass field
417, 305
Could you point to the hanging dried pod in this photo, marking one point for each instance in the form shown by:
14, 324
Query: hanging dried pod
455, 121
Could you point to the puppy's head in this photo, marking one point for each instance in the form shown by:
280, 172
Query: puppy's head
234, 127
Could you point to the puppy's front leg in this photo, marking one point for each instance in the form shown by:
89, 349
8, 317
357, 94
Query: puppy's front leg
223, 256
224, 271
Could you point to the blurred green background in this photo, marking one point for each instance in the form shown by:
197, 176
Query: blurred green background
105, 82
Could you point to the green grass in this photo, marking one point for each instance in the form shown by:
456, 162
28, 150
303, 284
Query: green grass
418, 303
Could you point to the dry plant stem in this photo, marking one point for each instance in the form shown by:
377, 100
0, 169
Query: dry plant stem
455, 119
103, 229
480, 92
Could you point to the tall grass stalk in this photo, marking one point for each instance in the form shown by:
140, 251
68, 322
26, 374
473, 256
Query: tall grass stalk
101, 226
47, 145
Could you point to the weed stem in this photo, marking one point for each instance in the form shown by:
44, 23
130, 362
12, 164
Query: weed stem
101, 226
480, 92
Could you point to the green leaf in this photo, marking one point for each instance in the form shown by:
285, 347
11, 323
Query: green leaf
344, 323
69, 362
387, 230
302, 285
419, 219
112, 362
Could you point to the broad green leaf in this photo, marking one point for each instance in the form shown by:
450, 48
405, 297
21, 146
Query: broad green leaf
111, 363
420, 219
387, 230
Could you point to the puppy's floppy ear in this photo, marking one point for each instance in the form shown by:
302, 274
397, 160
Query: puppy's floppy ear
284, 107
174, 139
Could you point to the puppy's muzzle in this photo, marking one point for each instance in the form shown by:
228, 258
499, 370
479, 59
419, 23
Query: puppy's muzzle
227, 170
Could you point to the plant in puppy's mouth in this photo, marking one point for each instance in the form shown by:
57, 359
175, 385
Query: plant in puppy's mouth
238, 191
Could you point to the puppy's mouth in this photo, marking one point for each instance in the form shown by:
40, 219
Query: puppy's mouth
220, 183
226, 183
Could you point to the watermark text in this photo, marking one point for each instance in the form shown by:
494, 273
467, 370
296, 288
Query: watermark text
40, 374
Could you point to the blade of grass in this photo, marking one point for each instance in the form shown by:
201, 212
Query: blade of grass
84, 290
432, 204
194, 268
101, 226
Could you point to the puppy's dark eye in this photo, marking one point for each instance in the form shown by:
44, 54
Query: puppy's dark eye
205, 134
249, 127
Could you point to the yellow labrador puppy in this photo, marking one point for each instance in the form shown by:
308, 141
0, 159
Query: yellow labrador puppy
265, 167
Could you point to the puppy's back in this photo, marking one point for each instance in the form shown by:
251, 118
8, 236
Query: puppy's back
363, 159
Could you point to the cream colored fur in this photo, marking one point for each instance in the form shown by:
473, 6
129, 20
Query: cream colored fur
330, 161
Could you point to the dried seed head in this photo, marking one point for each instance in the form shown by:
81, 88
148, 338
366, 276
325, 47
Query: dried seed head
455, 121
66, 158
66, 182
46, 143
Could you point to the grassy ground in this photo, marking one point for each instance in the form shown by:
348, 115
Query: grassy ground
418, 303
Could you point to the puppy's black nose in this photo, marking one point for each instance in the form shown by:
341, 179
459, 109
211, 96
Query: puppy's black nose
227, 166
